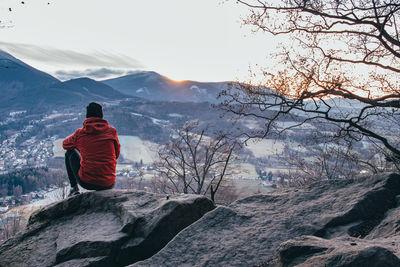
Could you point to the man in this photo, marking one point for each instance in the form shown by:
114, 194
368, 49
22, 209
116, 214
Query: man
92, 153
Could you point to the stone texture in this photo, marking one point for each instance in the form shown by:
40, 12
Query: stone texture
328, 223
311, 251
106, 228
250, 231
389, 226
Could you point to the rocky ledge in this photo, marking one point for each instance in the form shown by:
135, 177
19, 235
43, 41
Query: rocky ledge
257, 231
105, 228
328, 223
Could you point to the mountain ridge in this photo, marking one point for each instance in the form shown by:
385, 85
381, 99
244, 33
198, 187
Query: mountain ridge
25, 86
154, 86
17, 76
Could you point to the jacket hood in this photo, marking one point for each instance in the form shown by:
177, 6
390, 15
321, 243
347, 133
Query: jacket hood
94, 125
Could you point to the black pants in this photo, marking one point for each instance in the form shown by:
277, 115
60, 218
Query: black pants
73, 164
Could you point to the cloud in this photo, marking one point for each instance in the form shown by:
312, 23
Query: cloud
96, 74
69, 58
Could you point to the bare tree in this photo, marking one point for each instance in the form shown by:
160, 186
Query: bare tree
11, 226
193, 162
17, 191
62, 187
340, 66
135, 181
61, 192
323, 161
227, 193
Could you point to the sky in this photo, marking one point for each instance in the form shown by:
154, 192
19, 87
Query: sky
201, 40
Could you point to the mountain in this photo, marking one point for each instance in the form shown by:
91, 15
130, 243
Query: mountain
153, 86
73, 92
83, 89
22, 86
16, 76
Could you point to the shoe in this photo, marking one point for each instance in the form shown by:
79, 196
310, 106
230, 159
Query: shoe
74, 191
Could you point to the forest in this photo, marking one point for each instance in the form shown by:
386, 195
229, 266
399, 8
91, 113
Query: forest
27, 180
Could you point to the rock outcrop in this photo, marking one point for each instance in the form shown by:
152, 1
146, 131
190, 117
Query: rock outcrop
106, 228
314, 251
249, 232
328, 223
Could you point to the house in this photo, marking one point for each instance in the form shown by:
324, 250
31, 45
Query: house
3, 209
26, 198
268, 184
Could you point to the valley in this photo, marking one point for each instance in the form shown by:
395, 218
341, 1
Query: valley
148, 109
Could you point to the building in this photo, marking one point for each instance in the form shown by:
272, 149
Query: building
3, 209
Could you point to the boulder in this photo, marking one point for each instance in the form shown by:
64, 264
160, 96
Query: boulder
328, 223
249, 231
311, 251
389, 226
105, 228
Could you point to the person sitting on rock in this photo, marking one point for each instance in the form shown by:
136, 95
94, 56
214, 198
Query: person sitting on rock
92, 153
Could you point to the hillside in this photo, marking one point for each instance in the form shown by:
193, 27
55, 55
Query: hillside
24, 87
77, 92
153, 86
328, 223
17, 78
15, 74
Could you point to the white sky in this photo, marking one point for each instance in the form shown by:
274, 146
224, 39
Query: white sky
183, 39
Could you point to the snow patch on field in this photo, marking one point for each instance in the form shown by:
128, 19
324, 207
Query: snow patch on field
159, 122
287, 124
265, 147
58, 151
133, 149
252, 124
175, 115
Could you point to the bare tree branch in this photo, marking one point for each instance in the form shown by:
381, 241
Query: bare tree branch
341, 66
194, 157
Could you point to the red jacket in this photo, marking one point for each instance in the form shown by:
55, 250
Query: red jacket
99, 147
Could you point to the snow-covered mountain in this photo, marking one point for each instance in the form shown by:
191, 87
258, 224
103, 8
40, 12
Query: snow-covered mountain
153, 86
23, 86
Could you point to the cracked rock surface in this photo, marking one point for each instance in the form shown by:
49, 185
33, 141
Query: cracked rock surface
105, 228
249, 231
328, 223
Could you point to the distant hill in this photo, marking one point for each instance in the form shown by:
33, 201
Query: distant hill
69, 93
16, 76
153, 86
22, 86
82, 89
72, 92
